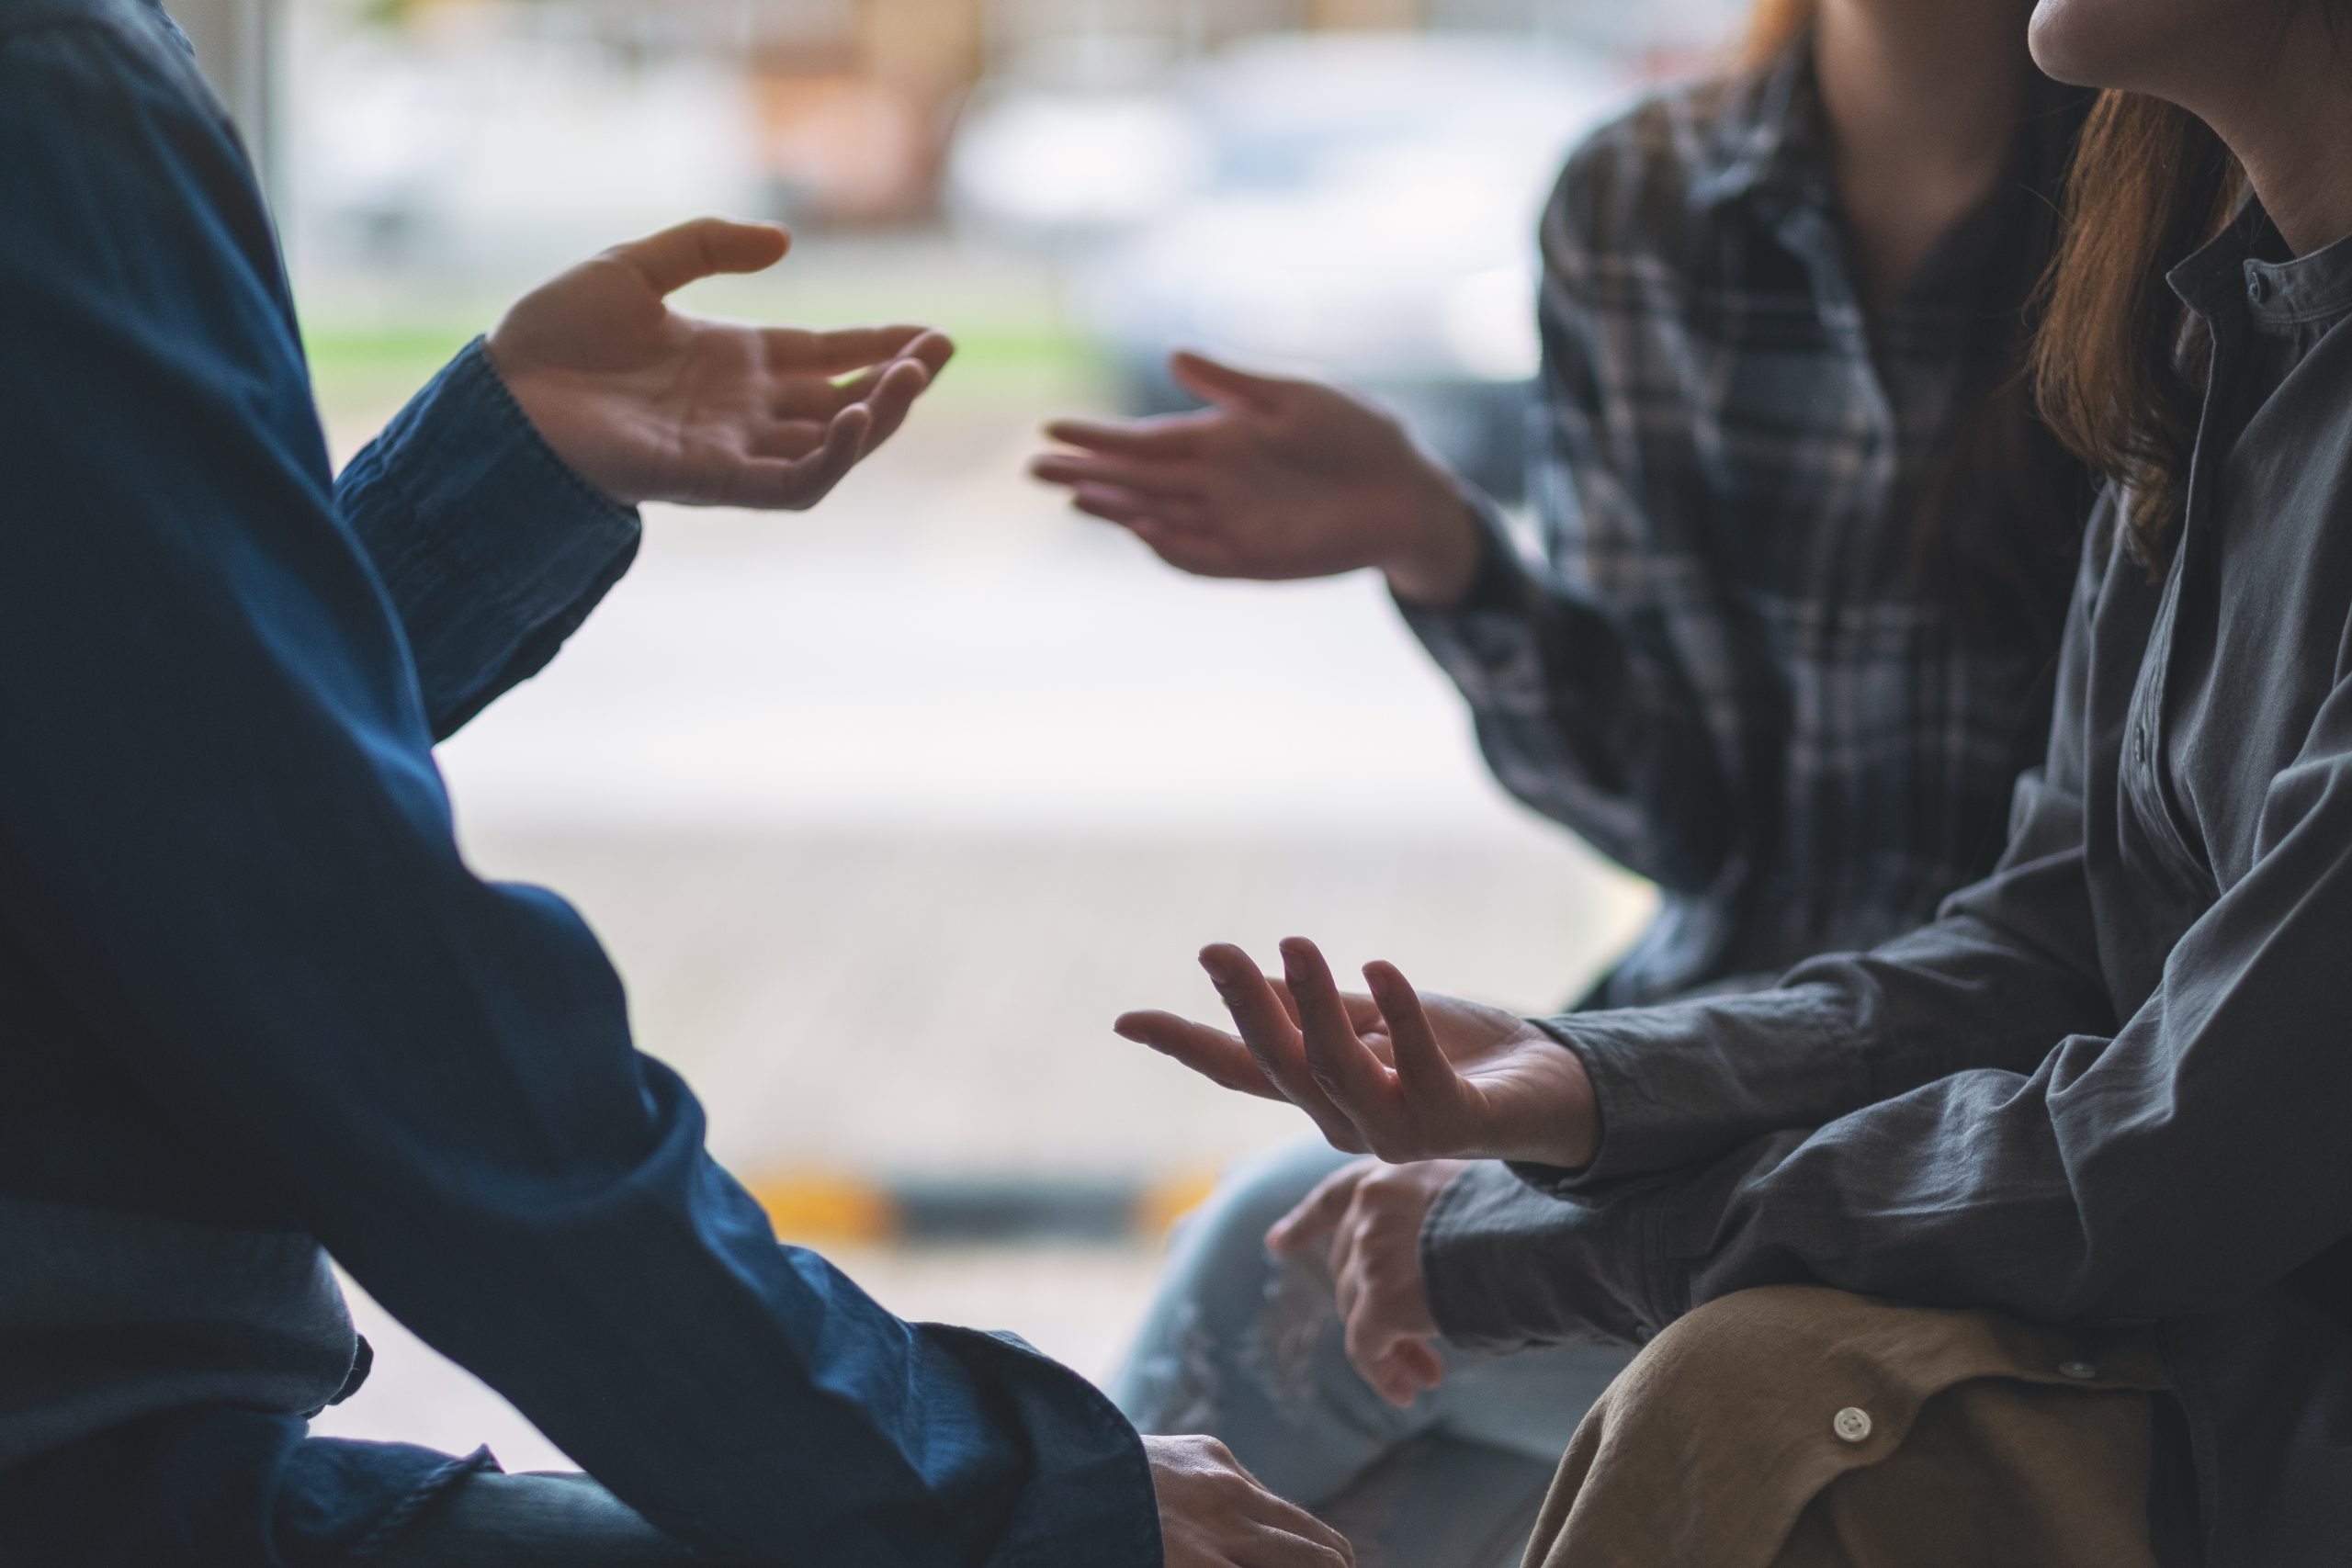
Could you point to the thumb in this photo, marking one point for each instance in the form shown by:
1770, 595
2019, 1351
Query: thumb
704, 248
1312, 1223
1214, 381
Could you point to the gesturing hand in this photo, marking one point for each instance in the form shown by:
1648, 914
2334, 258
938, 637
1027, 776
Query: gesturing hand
1213, 1514
1386, 1075
1277, 480
1368, 1217
649, 403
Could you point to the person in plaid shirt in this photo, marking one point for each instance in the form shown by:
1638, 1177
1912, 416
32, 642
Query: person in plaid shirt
1785, 649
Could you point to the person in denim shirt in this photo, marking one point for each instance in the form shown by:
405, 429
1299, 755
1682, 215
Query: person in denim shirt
254, 1009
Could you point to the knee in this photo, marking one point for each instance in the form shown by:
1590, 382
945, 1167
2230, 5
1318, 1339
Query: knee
1716, 1350
1226, 1237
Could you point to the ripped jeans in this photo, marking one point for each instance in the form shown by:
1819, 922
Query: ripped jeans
1248, 1349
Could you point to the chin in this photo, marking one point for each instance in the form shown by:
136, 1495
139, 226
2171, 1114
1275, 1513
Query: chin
2143, 46
2067, 38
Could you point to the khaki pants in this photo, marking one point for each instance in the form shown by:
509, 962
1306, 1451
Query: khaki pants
1803, 1428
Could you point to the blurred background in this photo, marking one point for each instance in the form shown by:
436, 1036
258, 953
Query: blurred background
886, 811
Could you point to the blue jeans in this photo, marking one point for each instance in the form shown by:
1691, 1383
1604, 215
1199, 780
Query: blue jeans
533, 1522
1248, 1349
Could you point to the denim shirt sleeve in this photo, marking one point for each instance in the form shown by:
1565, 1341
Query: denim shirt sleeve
225, 848
493, 548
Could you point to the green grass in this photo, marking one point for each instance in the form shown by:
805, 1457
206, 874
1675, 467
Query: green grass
370, 368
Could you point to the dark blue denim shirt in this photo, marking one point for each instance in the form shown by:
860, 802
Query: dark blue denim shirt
254, 1009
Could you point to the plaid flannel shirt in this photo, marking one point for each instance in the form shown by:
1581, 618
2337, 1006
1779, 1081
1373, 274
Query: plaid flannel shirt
1721, 669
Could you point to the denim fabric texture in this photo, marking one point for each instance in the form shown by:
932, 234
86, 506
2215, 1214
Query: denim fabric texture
256, 1010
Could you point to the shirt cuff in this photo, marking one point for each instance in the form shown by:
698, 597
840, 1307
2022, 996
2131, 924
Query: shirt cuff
1676, 1085
1486, 632
492, 549
1508, 1266
1091, 1497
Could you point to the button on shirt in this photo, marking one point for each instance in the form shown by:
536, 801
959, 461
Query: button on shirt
254, 1009
2109, 1083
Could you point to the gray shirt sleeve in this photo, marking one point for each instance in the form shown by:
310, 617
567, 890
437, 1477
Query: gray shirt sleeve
2002, 1143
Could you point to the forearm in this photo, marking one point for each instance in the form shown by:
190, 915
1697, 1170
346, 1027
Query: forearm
746, 1396
1682, 1084
1577, 722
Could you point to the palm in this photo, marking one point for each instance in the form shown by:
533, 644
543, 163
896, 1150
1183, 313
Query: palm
650, 403
1509, 1075
1276, 480
1392, 1074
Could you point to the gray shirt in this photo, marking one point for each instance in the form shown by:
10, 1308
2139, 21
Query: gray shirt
2111, 1083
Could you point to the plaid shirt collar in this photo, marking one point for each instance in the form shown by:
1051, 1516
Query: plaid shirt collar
1771, 143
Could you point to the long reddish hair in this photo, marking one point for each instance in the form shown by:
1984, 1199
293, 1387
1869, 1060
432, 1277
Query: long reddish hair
1773, 26
2120, 363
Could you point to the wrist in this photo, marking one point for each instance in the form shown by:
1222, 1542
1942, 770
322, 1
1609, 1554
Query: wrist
1443, 542
1568, 1138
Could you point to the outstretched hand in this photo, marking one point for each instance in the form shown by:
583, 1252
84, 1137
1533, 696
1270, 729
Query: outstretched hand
1276, 480
1388, 1074
649, 403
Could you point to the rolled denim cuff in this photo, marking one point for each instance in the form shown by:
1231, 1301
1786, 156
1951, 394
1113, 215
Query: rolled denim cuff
491, 547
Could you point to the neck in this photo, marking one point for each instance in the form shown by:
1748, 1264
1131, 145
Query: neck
1922, 98
2291, 127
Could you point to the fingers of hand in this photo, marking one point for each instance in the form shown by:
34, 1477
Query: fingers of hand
788, 440
1384, 1305
1316, 1219
893, 398
1212, 1053
1178, 480
1356, 1081
704, 248
1188, 549
1168, 438
1215, 1514
1274, 1040
771, 484
1428, 1079
1124, 507
1292, 1549
1411, 1369
851, 349
1214, 381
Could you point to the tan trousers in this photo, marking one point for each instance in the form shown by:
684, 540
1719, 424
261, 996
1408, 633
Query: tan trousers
1803, 1428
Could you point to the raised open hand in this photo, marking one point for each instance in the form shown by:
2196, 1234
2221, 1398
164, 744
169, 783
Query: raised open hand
1276, 480
649, 403
1388, 1074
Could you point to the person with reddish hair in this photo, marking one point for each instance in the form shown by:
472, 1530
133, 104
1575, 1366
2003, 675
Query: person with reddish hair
2026, 1237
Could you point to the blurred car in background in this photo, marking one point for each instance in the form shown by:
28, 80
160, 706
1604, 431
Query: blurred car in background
1360, 207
